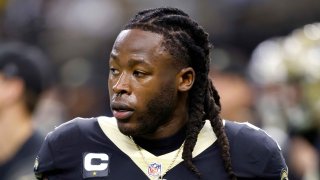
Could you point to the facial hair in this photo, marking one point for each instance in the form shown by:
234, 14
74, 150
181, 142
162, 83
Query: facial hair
158, 112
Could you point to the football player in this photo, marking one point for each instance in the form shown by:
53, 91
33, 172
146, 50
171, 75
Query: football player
166, 122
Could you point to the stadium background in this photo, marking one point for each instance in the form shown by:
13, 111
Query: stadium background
266, 61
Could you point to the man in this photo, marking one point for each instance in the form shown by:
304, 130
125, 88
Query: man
166, 122
21, 84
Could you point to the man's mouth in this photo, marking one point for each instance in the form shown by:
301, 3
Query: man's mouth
121, 111
122, 115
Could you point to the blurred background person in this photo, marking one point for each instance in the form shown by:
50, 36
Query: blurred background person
228, 72
23, 78
286, 74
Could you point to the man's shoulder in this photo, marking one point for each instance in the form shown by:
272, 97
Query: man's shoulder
74, 130
248, 135
78, 127
65, 145
253, 151
70, 127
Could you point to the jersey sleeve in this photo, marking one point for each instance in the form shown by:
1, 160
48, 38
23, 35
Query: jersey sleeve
254, 153
45, 160
58, 151
276, 166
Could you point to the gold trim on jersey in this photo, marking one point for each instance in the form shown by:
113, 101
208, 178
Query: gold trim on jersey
284, 174
109, 126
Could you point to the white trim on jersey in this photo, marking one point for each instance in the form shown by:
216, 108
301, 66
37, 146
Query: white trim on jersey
109, 126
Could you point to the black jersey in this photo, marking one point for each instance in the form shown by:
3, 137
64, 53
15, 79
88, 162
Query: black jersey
95, 149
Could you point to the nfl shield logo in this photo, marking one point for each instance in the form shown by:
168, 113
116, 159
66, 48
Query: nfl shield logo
154, 169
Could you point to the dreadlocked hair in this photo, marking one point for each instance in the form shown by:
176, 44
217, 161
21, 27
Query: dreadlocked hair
188, 43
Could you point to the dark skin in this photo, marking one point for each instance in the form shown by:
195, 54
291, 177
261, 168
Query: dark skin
149, 94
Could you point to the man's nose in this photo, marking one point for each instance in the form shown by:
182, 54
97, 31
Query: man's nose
122, 85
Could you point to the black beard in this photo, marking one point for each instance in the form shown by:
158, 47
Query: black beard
159, 110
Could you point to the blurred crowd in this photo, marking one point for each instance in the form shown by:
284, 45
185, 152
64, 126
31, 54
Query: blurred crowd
265, 65
279, 92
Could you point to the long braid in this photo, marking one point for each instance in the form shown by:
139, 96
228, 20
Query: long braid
218, 128
188, 43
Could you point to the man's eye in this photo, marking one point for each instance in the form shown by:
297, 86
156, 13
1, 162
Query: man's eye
138, 74
114, 71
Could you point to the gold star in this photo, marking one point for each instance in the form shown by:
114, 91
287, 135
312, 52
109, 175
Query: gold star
94, 173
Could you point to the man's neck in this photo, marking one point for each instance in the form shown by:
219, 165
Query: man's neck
162, 146
15, 129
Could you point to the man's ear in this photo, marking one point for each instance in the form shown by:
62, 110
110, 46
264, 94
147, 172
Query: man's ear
186, 78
